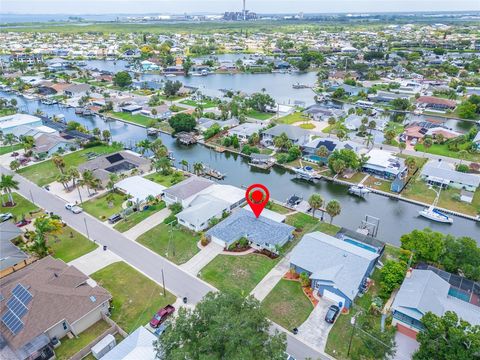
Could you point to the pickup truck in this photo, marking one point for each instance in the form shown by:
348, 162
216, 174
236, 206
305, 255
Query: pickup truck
161, 316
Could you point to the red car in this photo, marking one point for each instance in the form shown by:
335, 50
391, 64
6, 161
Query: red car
23, 222
161, 316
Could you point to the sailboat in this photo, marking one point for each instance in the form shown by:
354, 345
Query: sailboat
434, 214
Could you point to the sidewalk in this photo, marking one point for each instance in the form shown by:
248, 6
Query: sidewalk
264, 287
95, 260
147, 224
200, 260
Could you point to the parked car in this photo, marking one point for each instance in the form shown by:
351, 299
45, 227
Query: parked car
73, 208
5, 217
23, 222
332, 314
114, 218
161, 316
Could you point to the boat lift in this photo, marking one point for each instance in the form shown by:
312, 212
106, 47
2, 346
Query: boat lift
369, 226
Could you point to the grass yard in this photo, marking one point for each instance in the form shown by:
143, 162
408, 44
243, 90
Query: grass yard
180, 247
355, 179
165, 180
100, 207
293, 118
137, 217
135, 297
237, 274
70, 245
287, 305
70, 347
443, 150
278, 208
10, 148
22, 206
418, 190
134, 118
379, 184
207, 104
46, 172
307, 126
258, 115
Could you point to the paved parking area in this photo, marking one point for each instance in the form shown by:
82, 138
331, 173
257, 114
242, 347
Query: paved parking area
315, 330
406, 346
200, 260
147, 224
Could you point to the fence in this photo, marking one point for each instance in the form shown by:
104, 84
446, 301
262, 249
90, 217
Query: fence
16, 267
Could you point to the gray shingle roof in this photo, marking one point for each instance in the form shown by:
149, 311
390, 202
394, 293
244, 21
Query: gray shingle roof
331, 259
188, 187
293, 132
9, 253
242, 223
443, 171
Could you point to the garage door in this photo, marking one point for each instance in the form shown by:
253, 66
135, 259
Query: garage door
334, 297
218, 241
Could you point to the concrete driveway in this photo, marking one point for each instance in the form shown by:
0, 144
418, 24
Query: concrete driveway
147, 224
406, 346
315, 330
200, 260
95, 260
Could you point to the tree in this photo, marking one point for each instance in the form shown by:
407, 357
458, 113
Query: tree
187, 65
467, 110
411, 163
122, 79
171, 88
402, 146
339, 166
400, 104
333, 209
182, 122
339, 93
7, 185
426, 245
106, 135
14, 165
220, 327
28, 142
184, 164
427, 144
59, 163
391, 276
323, 152
331, 122
282, 142
144, 146
349, 157
45, 226
260, 102
10, 139
197, 168
163, 165
389, 135
447, 337
315, 201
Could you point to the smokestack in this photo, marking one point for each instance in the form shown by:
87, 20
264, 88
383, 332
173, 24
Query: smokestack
244, 13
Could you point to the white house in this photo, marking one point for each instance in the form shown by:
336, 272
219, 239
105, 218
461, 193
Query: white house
9, 123
140, 188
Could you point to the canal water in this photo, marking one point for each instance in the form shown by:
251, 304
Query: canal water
396, 217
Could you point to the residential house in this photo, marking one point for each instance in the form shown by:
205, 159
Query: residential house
77, 90
310, 149
425, 291
206, 123
138, 345
443, 174
384, 164
121, 162
11, 255
338, 269
184, 191
386, 96
261, 232
47, 299
139, 188
245, 130
319, 112
435, 103
295, 134
49, 144
9, 123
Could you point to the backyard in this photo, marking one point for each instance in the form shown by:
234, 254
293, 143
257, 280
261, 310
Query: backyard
177, 244
46, 172
133, 118
293, 118
287, 305
70, 245
206, 104
137, 217
258, 115
101, 208
237, 274
70, 347
22, 206
135, 297
166, 180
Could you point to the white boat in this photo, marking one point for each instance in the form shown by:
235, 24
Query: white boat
436, 215
359, 190
152, 131
170, 75
306, 172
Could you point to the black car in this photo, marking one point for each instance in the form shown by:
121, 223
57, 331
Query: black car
332, 314
114, 218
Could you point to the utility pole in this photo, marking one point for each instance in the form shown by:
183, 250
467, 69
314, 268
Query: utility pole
163, 282
86, 227
31, 196
353, 321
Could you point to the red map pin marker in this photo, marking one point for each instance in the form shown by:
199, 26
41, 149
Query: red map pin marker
257, 196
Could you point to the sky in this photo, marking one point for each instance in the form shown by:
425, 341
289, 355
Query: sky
219, 6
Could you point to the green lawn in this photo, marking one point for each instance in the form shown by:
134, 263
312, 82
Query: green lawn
70, 347
178, 246
237, 274
10, 148
443, 150
136, 118
293, 118
100, 207
137, 217
258, 115
135, 297
379, 184
287, 305
165, 180
70, 245
207, 104
355, 179
46, 172
307, 126
22, 206
278, 208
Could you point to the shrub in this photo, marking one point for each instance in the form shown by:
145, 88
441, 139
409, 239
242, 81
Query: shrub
93, 143
175, 208
304, 279
171, 220
204, 240
463, 168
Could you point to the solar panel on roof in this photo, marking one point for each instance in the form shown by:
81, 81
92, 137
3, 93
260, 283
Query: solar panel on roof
22, 294
12, 322
114, 158
16, 306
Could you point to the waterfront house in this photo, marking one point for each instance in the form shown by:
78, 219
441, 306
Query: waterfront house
338, 269
425, 291
295, 134
45, 300
9, 123
443, 174
49, 144
261, 232
206, 123
386, 96
320, 112
384, 164
77, 90
140, 189
184, 191
245, 130
310, 149
435, 103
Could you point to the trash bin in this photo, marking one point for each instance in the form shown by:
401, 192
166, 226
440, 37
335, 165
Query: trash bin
104, 247
295, 331
185, 300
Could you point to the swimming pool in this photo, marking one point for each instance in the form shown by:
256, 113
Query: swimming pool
315, 158
459, 294
360, 244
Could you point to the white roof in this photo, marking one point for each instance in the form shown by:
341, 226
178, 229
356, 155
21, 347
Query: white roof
138, 345
140, 188
269, 214
228, 193
17, 120
204, 208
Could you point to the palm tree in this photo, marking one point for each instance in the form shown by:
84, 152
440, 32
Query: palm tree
184, 164
9, 139
197, 168
372, 125
144, 146
15, 165
402, 146
462, 154
74, 175
427, 143
163, 165
45, 226
333, 209
254, 139
282, 142
112, 179
28, 142
323, 152
86, 180
106, 135
63, 179
315, 201
368, 140
411, 163
331, 122
7, 185
59, 162
341, 134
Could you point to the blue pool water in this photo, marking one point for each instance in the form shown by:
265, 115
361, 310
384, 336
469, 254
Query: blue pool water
315, 158
359, 244
459, 294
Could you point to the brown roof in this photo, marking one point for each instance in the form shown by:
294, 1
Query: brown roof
60, 292
436, 101
60, 87
47, 141
414, 131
